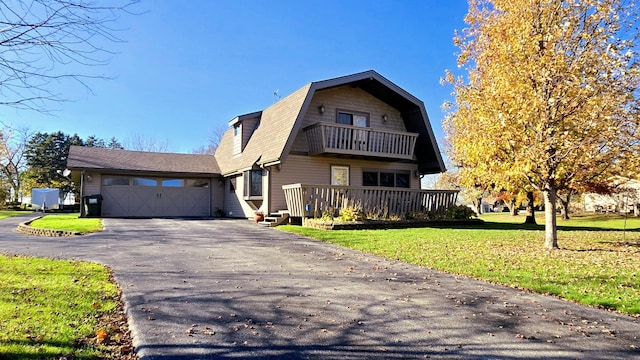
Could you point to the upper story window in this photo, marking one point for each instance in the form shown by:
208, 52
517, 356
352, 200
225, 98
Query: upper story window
346, 117
236, 130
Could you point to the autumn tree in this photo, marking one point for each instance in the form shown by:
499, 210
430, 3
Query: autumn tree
548, 95
13, 144
52, 41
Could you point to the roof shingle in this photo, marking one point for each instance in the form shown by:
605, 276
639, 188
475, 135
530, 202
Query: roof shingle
92, 158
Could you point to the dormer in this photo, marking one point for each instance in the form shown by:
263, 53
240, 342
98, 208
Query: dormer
243, 127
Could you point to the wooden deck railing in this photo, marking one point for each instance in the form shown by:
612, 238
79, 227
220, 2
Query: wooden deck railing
314, 200
354, 140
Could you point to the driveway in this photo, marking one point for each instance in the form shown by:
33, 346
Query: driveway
209, 289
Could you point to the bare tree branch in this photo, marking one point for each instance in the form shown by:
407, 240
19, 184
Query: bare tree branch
46, 41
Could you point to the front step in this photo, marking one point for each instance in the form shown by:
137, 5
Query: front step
275, 219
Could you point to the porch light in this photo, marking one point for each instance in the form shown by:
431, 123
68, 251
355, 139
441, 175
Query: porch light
385, 118
321, 109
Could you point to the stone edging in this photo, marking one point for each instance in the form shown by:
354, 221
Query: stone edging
26, 229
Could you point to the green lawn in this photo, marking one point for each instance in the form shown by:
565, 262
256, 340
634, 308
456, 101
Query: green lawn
598, 264
10, 213
69, 222
50, 309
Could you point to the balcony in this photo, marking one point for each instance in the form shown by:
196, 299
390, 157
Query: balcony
353, 140
310, 200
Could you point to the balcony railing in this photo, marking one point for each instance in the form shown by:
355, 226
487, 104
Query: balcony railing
354, 140
315, 200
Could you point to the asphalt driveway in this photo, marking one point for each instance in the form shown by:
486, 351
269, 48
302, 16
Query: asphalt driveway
209, 289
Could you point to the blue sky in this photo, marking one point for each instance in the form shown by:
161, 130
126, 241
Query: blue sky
188, 67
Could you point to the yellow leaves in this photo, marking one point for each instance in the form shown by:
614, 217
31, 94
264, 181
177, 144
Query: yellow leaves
101, 336
548, 88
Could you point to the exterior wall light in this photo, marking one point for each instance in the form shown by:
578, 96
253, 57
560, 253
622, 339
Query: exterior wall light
385, 118
321, 109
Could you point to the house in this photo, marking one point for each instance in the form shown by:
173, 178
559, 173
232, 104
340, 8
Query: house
624, 199
358, 139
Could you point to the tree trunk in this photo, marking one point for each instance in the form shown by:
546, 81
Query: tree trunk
550, 229
531, 212
564, 208
479, 206
513, 208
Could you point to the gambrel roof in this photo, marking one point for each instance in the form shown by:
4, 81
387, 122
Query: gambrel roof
272, 140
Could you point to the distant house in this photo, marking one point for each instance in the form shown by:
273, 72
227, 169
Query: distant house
357, 139
626, 198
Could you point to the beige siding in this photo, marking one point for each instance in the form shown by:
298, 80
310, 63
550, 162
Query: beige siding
347, 98
234, 203
92, 187
237, 141
232, 199
316, 170
218, 187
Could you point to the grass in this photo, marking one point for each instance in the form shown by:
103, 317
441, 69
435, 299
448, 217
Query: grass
69, 222
11, 213
52, 309
598, 264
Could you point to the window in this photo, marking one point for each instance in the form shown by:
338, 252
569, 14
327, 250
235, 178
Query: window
253, 183
402, 180
340, 175
201, 183
236, 130
386, 178
370, 178
115, 180
144, 182
352, 118
173, 183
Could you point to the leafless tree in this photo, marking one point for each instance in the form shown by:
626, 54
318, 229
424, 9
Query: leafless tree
47, 41
140, 142
213, 141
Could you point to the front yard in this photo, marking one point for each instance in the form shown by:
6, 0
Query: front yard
598, 264
59, 309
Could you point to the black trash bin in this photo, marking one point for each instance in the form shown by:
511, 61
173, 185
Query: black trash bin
93, 205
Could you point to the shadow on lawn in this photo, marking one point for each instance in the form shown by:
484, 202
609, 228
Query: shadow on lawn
488, 225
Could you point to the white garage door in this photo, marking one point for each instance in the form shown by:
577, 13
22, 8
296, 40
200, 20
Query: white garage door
128, 196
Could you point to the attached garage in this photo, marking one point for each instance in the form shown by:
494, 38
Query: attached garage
146, 184
137, 196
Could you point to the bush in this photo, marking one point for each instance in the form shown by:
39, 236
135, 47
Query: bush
352, 214
459, 212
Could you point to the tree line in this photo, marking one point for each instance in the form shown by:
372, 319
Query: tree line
30, 159
36, 159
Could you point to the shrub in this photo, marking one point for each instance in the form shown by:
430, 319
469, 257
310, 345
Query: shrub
459, 212
352, 214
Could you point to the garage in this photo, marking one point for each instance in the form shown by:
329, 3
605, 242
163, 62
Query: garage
147, 184
139, 196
